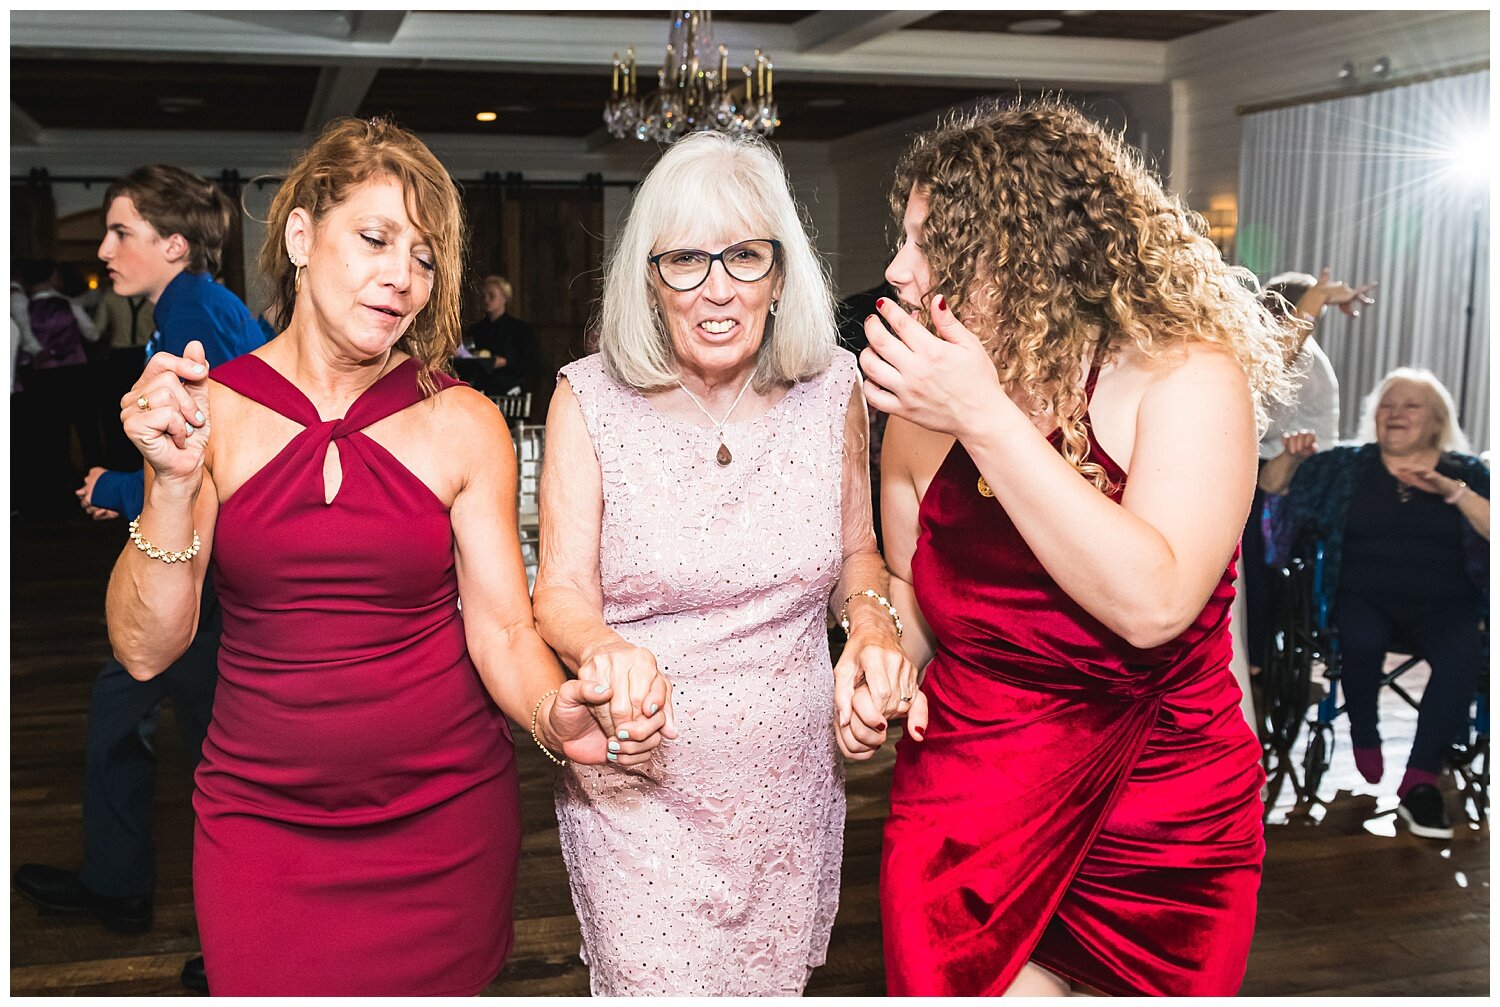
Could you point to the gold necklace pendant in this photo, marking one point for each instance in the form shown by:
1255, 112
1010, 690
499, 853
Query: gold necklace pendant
984, 488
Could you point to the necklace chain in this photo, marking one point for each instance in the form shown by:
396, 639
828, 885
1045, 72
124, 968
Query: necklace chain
723, 456
717, 424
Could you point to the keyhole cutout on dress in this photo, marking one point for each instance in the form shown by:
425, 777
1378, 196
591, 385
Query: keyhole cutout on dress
333, 473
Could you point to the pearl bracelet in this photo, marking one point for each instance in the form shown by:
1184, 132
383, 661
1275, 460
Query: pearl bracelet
1457, 494
536, 710
156, 552
880, 599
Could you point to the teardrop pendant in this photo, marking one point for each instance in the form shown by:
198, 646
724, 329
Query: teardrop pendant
723, 457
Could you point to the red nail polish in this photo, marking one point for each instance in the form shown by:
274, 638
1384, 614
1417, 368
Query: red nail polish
880, 302
942, 305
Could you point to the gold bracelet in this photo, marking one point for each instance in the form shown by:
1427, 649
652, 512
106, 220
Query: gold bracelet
156, 552
536, 710
869, 592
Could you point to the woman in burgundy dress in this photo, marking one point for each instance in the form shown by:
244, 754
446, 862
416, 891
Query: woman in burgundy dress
1073, 377
358, 827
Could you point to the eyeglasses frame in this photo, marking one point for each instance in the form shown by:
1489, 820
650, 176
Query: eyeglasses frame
655, 260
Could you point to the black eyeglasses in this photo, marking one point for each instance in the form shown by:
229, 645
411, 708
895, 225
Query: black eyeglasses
687, 268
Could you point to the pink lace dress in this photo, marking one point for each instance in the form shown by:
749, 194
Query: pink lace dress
714, 868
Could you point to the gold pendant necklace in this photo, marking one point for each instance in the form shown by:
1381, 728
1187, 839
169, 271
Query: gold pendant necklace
984, 488
723, 456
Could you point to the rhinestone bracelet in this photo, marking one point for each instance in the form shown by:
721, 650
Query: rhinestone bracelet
880, 599
536, 710
156, 552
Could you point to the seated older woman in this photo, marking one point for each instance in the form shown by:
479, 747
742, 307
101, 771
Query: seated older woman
1405, 518
705, 497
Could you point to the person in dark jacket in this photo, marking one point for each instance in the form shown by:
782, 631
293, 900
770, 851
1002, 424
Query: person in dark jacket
510, 342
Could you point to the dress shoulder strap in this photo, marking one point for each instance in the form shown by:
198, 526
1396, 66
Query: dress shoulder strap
258, 381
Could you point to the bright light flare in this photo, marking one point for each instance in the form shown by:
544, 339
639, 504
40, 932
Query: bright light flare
1471, 158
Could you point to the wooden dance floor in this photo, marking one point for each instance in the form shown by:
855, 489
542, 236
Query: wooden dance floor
1350, 904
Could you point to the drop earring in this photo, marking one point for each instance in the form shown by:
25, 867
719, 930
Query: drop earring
297, 279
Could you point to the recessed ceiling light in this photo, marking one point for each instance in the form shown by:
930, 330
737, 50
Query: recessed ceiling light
1035, 25
486, 116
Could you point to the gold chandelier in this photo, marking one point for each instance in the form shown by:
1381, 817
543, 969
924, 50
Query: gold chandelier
692, 94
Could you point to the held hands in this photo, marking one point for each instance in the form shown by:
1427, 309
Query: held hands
873, 682
572, 721
637, 711
941, 381
165, 414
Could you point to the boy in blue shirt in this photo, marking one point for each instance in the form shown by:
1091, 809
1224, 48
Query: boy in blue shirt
166, 230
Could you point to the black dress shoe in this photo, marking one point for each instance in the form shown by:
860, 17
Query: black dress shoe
59, 891
194, 975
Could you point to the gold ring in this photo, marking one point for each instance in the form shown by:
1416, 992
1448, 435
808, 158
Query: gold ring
143, 403
906, 699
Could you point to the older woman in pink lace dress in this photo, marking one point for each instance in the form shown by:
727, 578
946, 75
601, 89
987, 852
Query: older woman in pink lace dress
705, 502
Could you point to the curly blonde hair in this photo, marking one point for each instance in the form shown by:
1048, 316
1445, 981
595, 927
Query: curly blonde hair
1054, 243
348, 153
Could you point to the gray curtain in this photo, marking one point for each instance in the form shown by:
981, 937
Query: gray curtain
1369, 186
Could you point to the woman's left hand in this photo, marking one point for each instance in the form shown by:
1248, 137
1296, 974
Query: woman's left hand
944, 381
874, 669
1427, 480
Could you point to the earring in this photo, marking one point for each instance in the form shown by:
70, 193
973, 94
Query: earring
296, 280
774, 305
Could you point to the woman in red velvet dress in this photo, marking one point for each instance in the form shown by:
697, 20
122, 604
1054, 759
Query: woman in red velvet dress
358, 827
1073, 378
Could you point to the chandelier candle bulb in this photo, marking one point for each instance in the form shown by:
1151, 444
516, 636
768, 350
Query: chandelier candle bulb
693, 92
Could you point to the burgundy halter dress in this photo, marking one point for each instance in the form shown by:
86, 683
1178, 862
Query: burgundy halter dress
358, 824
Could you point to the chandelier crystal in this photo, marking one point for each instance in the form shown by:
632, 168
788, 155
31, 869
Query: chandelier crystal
692, 93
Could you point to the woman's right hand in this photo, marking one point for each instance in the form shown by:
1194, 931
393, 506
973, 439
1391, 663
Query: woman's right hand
1300, 444
641, 697
165, 414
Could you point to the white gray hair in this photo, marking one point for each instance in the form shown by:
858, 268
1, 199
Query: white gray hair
715, 179
1450, 438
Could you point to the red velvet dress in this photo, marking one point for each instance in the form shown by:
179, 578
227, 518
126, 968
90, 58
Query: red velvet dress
358, 824
1076, 801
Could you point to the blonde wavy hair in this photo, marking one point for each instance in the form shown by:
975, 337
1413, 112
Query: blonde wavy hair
1054, 243
712, 181
348, 153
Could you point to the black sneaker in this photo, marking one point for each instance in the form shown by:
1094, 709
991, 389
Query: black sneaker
1425, 813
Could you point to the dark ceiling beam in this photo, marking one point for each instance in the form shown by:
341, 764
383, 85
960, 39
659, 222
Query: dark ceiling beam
834, 31
340, 91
